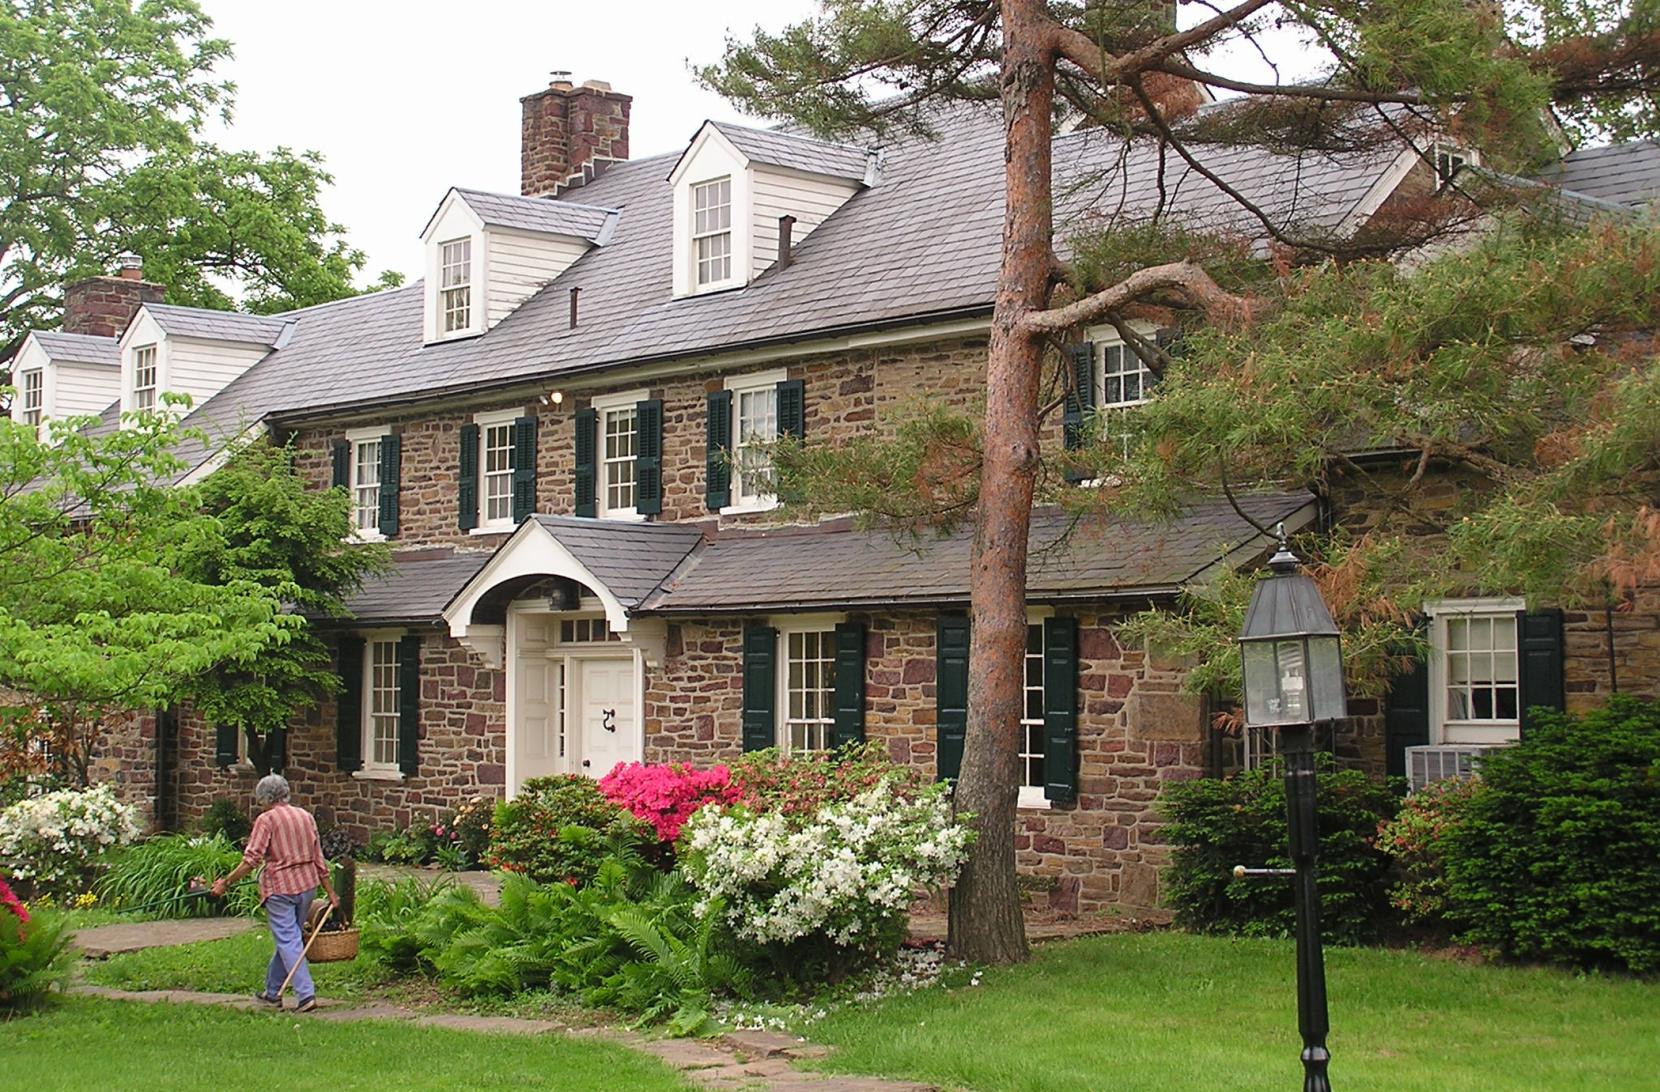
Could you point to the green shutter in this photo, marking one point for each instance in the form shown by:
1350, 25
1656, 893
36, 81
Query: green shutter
1539, 663
717, 471
391, 471
1060, 709
850, 684
951, 693
409, 703
760, 687
1405, 716
348, 724
224, 745
466, 480
648, 457
524, 469
792, 409
587, 428
1080, 393
340, 451
276, 749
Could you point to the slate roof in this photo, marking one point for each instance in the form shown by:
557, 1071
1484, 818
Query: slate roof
795, 151
79, 348
538, 213
416, 588
630, 559
1628, 174
810, 568
199, 322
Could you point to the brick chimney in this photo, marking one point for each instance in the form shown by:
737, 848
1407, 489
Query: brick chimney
570, 134
104, 305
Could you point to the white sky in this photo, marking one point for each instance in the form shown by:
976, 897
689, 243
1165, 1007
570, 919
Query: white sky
405, 99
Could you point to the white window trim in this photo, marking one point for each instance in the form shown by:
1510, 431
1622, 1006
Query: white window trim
372, 770
739, 385
1031, 796
797, 623
1438, 612
39, 409
733, 278
485, 421
1470, 157
474, 243
353, 438
132, 387
601, 406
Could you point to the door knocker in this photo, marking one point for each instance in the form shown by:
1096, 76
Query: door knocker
608, 719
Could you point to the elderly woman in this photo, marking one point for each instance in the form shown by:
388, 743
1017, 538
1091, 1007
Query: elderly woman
284, 840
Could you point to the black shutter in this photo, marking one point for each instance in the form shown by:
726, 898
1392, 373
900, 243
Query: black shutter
760, 687
717, 472
466, 480
587, 429
524, 469
409, 703
391, 471
1539, 662
950, 693
1060, 709
1080, 402
792, 409
276, 749
1405, 716
341, 452
348, 725
648, 457
850, 684
224, 745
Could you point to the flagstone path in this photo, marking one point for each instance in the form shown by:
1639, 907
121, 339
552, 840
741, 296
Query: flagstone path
102, 941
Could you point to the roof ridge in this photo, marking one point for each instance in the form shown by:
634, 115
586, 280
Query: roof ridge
553, 199
779, 130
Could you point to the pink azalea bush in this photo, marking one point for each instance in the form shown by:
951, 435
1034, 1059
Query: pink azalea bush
666, 796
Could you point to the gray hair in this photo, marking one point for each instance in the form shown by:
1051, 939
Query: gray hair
272, 789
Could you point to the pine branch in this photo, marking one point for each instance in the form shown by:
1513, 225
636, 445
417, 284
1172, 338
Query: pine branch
1187, 278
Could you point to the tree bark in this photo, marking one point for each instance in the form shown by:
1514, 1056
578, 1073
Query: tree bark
986, 922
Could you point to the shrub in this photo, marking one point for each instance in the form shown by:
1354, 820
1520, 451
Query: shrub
399, 847
525, 832
1416, 838
228, 819
1216, 824
469, 828
666, 796
34, 953
1558, 855
386, 913
800, 785
55, 841
153, 873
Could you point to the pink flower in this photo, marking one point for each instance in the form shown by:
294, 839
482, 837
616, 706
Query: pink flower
666, 796
11, 902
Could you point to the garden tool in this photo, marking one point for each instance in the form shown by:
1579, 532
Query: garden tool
199, 888
322, 921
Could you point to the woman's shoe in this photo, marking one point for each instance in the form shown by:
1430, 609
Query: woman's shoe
266, 999
307, 1005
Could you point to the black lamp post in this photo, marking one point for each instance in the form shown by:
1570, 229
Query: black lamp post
1293, 673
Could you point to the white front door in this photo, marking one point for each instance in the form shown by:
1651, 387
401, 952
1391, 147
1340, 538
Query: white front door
607, 723
538, 741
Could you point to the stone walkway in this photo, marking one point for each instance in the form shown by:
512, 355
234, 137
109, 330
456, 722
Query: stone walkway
102, 941
742, 1061
487, 884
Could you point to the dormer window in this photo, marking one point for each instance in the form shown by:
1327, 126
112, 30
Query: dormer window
1449, 159
712, 231
144, 377
456, 284
34, 395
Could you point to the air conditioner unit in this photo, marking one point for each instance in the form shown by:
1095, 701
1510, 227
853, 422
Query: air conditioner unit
1425, 765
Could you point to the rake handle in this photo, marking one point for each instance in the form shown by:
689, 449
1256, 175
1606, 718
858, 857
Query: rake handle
322, 921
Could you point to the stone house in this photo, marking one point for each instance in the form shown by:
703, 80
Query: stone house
554, 431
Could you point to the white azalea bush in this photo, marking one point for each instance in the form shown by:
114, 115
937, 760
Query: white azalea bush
53, 842
844, 873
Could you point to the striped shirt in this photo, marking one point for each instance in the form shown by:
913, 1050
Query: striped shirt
284, 840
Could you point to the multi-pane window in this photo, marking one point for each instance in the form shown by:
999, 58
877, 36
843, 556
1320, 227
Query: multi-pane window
1125, 384
583, 631
712, 230
34, 394
754, 426
497, 443
1479, 660
455, 289
1449, 160
366, 484
620, 437
809, 689
1031, 718
144, 377
380, 704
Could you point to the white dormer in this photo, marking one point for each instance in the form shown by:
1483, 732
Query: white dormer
59, 375
191, 351
486, 253
732, 188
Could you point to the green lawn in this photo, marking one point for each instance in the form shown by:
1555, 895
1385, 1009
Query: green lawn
1168, 1010
233, 965
81, 1043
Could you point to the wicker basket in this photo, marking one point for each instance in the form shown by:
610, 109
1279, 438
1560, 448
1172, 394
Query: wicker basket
335, 946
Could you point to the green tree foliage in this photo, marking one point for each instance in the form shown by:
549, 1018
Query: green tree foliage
274, 532
104, 104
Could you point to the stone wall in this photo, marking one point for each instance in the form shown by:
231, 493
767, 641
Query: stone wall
103, 306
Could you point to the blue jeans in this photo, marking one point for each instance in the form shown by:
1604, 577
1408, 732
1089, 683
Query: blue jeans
286, 915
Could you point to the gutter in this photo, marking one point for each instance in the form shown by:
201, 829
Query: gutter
801, 606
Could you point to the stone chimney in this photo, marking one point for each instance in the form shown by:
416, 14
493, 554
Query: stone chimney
104, 305
570, 134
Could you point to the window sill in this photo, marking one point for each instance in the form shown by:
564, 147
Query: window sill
392, 776
361, 537
622, 515
750, 509
493, 529
1032, 800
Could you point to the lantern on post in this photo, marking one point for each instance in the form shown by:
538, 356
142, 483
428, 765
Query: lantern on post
1292, 664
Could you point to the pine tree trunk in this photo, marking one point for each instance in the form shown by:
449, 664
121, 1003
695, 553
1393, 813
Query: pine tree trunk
986, 923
